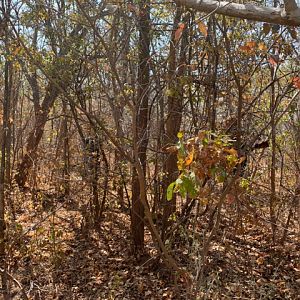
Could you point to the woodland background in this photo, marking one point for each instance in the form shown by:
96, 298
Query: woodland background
148, 151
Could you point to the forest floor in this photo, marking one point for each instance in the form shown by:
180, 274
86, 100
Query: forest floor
54, 254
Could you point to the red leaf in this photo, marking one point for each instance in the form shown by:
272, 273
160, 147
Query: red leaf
273, 60
230, 198
131, 7
178, 32
296, 82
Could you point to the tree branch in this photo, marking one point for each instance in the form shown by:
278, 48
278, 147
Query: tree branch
288, 16
290, 9
290, 5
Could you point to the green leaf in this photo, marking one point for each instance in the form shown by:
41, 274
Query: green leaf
244, 183
189, 186
205, 141
222, 175
170, 190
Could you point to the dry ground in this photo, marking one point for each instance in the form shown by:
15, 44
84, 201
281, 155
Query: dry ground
54, 253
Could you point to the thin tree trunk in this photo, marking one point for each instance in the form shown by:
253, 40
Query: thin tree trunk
66, 153
4, 173
273, 158
141, 126
173, 122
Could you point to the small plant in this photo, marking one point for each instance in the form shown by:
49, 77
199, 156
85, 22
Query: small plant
206, 156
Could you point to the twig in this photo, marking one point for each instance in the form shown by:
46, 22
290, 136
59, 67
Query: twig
16, 282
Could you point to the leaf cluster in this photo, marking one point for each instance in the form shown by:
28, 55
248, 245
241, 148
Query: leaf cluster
205, 156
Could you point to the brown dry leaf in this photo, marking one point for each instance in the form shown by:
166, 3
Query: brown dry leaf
266, 28
201, 135
230, 198
260, 261
243, 158
232, 151
140, 287
203, 201
200, 172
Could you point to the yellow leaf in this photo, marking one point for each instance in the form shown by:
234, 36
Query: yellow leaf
180, 134
180, 163
202, 28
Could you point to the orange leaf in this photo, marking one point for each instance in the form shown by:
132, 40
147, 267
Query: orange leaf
251, 44
262, 47
245, 49
232, 151
179, 30
190, 157
296, 82
202, 28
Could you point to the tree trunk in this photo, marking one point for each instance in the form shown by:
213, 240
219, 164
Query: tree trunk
5, 156
66, 152
141, 124
173, 122
35, 135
